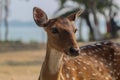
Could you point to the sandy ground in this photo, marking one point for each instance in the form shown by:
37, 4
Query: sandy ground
21, 65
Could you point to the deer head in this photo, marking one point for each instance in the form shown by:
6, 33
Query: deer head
60, 31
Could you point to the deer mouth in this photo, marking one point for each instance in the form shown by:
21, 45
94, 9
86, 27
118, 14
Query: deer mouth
72, 53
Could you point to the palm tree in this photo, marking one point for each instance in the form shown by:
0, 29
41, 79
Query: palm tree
90, 7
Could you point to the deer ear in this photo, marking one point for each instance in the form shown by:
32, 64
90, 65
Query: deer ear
73, 16
40, 17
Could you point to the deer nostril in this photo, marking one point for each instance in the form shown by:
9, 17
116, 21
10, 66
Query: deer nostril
74, 51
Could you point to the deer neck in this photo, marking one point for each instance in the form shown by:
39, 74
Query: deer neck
52, 64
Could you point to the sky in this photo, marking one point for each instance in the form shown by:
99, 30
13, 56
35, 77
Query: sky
21, 10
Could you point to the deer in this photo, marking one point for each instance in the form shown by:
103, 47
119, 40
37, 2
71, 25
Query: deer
65, 60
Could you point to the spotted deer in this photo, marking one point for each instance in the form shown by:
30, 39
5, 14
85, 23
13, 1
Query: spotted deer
65, 60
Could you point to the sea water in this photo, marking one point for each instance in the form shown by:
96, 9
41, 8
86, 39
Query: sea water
24, 33
30, 32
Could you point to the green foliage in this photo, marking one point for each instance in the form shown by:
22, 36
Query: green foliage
101, 5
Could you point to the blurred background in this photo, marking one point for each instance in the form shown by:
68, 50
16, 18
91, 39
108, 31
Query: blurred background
22, 43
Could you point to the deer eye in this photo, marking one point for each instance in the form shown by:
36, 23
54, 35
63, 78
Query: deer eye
76, 30
55, 30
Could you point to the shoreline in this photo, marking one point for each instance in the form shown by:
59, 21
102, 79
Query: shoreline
19, 46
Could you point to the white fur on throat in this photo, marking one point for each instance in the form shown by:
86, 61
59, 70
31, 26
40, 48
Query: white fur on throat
55, 61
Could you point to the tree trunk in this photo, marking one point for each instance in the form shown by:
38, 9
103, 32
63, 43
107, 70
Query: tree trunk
110, 9
6, 19
80, 30
91, 36
6, 31
97, 34
1, 2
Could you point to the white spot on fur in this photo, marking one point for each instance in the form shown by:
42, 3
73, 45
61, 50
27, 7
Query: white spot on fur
84, 68
73, 78
68, 68
106, 78
94, 74
67, 75
78, 62
73, 69
80, 73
